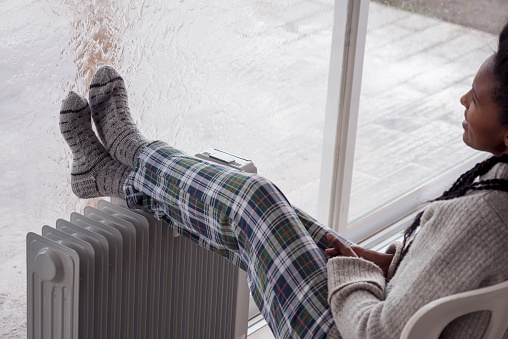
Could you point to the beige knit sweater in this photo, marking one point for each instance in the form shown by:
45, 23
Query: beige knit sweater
462, 245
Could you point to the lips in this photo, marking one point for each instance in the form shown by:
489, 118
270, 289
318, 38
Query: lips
465, 125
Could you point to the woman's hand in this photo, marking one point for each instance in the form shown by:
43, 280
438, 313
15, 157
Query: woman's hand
382, 260
339, 248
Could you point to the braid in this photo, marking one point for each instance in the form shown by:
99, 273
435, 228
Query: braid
463, 184
493, 185
467, 178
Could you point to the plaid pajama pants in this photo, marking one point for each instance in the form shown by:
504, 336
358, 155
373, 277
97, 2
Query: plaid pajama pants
246, 219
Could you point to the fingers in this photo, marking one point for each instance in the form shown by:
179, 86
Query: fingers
332, 252
340, 247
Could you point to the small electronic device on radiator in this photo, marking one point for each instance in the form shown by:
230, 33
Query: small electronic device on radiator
227, 159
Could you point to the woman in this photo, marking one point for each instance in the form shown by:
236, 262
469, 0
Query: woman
461, 243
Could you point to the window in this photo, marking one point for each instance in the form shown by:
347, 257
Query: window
407, 139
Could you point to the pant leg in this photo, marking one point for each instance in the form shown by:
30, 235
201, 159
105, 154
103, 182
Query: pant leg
246, 219
317, 230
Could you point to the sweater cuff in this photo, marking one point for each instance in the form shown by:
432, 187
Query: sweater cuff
395, 249
344, 271
333, 333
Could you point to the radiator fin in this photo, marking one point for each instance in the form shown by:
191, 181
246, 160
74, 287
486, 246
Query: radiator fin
53, 289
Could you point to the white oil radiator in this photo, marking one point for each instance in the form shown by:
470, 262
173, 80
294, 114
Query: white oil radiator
116, 273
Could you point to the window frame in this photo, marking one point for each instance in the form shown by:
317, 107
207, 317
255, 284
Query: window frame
341, 116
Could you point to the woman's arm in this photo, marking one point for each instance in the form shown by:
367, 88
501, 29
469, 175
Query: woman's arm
440, 263
382, 260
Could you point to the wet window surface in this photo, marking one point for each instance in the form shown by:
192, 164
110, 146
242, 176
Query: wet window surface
248, 77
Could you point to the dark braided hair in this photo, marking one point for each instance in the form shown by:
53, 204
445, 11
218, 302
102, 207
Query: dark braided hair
466, 181
500, 94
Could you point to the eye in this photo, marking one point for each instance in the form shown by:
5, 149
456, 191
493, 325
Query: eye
473, 96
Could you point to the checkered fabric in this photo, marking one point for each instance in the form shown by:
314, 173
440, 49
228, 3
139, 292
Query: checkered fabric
246, 219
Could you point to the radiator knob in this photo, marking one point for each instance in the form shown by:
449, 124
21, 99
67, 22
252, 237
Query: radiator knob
48, 265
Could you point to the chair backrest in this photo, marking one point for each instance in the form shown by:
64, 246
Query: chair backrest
430, 320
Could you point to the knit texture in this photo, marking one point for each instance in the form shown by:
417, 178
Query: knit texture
94, 173
395, 249
112, 117
462, 246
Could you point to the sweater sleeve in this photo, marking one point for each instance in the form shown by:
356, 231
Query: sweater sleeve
395, 249
457, 239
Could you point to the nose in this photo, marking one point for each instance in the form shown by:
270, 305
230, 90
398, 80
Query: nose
464, 100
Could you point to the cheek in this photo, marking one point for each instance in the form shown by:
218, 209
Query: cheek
479, 120
471, 119
476, 129
482, 132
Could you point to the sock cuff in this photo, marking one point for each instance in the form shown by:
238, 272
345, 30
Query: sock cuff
84, 187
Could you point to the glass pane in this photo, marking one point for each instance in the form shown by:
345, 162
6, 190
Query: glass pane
248, 77
417, 66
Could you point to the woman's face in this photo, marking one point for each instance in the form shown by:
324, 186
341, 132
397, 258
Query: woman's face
482, 130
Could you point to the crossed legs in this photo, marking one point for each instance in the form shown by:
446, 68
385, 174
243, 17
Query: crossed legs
243, 217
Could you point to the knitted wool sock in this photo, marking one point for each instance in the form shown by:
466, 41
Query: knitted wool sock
112, 118
94, 173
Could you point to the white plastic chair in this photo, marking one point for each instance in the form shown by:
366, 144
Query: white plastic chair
430, 320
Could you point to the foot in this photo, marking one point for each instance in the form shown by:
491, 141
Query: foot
94, 172
112, 118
